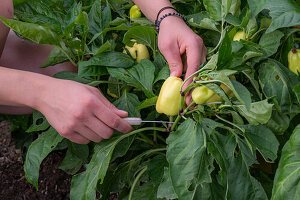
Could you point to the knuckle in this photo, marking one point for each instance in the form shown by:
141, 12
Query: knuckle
115, 123
108, 133
79, 114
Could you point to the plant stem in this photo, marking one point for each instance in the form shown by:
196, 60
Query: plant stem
135, 182
241, 129
182, 114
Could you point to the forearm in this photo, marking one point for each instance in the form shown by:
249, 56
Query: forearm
150, 8
21, 88
6, 11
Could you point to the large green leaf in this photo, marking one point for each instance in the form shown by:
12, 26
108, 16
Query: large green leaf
95, 65
285, 13
270, 42
263, 139
241, 185
189, 163
275, 81
128, 102
36, 153
140, 75
37, 33
260, 112
214, 7
165, 189
287, 177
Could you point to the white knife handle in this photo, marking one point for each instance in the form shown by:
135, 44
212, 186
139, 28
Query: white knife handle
133, 120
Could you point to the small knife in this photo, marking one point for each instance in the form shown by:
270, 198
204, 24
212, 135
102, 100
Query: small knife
138, 121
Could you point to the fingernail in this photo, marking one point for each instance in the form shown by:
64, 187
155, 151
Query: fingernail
123, 112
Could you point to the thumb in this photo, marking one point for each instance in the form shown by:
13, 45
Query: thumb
172, 55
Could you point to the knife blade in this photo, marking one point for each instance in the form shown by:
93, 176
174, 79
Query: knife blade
138, 121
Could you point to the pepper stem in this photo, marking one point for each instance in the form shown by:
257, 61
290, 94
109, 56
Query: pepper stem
294, 50
181, 115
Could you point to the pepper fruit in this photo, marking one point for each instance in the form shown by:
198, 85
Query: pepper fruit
169, 97
294, 60
135, 12
239, 35
138, 51
201, 94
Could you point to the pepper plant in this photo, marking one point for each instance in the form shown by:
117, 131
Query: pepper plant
235, 146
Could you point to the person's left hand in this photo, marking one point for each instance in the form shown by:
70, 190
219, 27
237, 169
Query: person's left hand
182, 48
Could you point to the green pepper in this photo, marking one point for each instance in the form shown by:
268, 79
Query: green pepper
138, 51
294, 60
135, 12
169, 97
201, 94
239, 35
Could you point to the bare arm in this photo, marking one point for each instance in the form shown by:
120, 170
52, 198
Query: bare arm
6, 11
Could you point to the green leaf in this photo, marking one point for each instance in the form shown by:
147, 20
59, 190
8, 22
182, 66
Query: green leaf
71, 163
165, 189
276, 82
270, 42
143, 35
284, 13
297, 92
202, 20
163, 74
241, 180
37, 33
140, 75
128, 102
147, 103
278, 123
260, 112
84, 184
189, 163
39, 123
286, 181
263, 139
56, 56
155, 168
38, 150
214, 7
95, 65
99, 18
225, 54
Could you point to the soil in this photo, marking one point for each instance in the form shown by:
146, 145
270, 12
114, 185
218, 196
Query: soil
53, 182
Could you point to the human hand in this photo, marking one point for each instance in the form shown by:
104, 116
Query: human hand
80, 112
182, 48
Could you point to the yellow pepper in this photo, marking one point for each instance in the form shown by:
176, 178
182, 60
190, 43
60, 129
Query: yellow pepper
135, 12
294, 60
201, 94
239, 35
138, 51
169, 97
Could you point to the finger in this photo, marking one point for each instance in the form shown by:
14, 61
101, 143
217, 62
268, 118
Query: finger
112, 120
172, 54
194, 59
100, 128
77, 138
89, 134
120, 113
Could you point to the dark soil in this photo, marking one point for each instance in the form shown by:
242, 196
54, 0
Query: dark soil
53, 182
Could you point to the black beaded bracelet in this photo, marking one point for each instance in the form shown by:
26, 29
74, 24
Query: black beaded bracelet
157, 23
164, 8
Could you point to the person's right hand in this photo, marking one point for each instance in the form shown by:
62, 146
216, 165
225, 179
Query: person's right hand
80, 112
